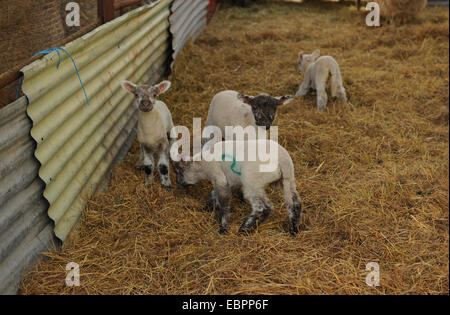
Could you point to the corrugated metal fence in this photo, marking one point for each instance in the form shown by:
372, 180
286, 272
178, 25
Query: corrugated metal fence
75, 144
187, 20
25, 228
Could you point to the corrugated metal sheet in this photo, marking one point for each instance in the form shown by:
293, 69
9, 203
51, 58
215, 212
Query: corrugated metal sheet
187, 20
25, 229
76, 143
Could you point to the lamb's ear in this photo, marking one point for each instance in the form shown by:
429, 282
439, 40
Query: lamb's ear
163, 86
286, 99
300, 57
129, 86
316, 54
184, 160
245, 98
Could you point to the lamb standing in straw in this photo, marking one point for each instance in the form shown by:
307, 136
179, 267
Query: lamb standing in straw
154, 126
316, 72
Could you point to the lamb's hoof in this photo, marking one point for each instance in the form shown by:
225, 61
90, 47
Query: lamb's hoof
139, 167
167, 186
293, 231
223, 231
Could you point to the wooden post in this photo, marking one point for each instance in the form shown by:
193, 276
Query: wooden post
358, 4
106, 10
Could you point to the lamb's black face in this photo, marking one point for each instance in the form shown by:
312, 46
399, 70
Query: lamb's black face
178, 169
186, 172
264, 107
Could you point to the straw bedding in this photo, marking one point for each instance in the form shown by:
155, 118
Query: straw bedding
373, 174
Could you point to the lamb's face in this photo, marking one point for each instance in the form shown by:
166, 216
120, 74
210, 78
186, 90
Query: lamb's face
146, 95
264, 107
305, 60
187, 172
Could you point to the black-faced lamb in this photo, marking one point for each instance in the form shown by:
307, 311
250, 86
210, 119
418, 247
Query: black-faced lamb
153, 131
229, 108
316, 72
247, 175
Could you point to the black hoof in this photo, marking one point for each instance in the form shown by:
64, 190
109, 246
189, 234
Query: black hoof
148, 169
293, 231
223, 231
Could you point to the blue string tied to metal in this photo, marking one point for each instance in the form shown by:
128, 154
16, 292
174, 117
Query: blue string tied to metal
57, 49
233, 164
19, 87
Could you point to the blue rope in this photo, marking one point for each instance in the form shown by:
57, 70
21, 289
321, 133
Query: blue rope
19, 87
57, 49
233, 165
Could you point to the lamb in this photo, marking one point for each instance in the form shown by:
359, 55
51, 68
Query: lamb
153, 132
226, 174
316, 72
229, 108
401, 10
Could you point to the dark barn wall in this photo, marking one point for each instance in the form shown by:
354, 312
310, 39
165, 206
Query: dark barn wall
27, 27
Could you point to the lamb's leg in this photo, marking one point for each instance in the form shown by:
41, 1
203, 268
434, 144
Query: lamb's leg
149, 163
140, 163
322, 99
306, 84
320, 84
342, 96
223, 207
337, 87
303, 89
261, 209
213, 201
295, 213
164, 166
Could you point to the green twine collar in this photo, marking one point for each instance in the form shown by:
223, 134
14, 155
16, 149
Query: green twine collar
233, 165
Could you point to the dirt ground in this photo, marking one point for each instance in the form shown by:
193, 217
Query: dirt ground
373, 174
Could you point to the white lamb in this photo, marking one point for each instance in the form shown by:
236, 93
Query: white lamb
228, 173
229, 108
316, 72
153, 132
